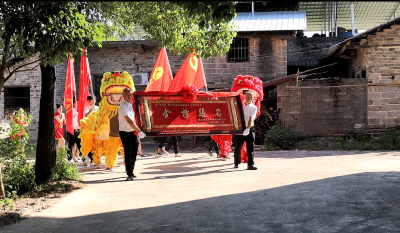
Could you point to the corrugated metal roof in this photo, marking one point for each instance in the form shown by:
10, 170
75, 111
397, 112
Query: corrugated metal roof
271, 21
367, 14
336, 47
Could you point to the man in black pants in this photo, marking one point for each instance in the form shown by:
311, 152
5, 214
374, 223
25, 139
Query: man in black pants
174, 142
250, 112
127, 128
212, 145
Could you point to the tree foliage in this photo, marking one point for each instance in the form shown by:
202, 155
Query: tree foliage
51, 28
179, 26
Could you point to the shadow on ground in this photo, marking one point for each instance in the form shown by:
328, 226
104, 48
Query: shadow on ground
364, 202
294, 154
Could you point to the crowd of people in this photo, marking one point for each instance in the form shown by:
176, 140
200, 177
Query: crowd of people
131, 134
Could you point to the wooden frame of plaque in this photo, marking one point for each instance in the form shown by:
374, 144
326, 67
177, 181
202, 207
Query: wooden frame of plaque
167, 114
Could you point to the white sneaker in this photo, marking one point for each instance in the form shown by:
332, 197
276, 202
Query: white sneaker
178, 155
165, 152
112, 169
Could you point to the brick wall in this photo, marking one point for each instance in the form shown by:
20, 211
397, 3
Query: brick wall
28, 76
357, 67
322, 111
383, 67
131, 58
267, 61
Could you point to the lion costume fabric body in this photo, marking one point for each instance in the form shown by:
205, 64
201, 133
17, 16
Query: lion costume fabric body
241, 84
96, 127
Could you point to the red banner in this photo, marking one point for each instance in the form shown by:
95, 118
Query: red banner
191, 72
166, 113
161, 77
69, 93
84, 81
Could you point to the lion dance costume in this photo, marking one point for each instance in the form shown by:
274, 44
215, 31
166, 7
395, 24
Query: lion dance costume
99, 130
242, 84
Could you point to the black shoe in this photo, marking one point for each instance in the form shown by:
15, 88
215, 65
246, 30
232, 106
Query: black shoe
141, 155
69, 158
236, 166
129, 178
251, 168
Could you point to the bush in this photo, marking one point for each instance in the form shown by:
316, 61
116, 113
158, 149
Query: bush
18, 174
64, 169
279, 137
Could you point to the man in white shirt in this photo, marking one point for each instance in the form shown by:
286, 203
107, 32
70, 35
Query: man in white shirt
250, 112
127, 128
92, 108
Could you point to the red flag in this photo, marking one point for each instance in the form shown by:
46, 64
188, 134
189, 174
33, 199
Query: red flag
84, 81
161, 76
69, 95
191, 72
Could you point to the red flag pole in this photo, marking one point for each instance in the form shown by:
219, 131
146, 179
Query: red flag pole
69, 92
83, 86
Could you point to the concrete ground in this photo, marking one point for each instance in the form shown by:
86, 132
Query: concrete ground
292, 191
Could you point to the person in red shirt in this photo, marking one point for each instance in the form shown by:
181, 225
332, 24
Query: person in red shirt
59, 121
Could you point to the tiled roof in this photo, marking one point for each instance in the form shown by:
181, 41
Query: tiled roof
303, 63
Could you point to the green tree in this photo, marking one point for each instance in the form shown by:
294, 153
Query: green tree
53, 29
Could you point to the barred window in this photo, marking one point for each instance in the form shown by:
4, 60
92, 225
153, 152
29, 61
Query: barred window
17, 97
239, 50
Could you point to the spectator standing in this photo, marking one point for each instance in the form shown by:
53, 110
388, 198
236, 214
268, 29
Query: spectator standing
59, 121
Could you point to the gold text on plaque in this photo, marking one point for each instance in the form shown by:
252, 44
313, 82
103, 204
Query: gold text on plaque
185, 113
202, 112
166, 111
218, 112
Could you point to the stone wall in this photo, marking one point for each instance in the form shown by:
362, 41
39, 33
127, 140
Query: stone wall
28, 76
318, 109
383, 67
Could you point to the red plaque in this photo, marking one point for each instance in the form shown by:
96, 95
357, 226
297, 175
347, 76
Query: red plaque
167, 114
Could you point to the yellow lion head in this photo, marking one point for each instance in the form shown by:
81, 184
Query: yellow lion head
112, 85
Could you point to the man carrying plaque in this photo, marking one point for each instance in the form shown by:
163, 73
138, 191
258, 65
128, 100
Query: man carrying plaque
250, 112
127, 128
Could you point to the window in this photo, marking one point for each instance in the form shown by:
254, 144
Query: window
239, 51
17, 97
